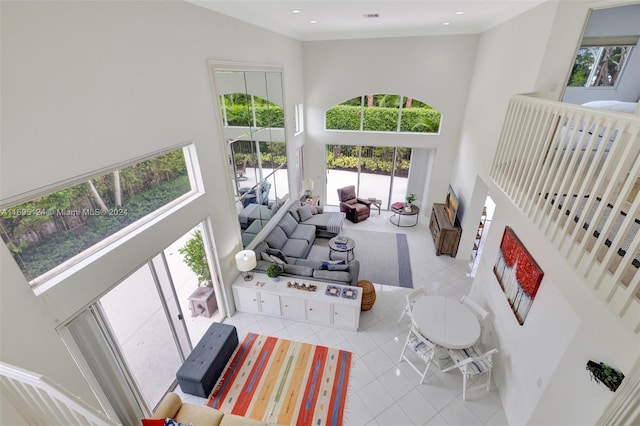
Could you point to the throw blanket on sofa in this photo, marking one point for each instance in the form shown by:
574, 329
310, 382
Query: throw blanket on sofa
335, 222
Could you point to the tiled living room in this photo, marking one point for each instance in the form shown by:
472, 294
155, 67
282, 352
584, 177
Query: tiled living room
383, 391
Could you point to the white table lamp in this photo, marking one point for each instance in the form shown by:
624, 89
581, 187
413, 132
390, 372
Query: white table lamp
307, 184
245, 262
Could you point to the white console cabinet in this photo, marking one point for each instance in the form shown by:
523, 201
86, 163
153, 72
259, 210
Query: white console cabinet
261, 295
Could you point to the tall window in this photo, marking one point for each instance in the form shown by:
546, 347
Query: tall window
599, 65
383, 113
49, 234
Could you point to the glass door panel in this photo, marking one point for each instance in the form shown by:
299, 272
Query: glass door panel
376, 167
342, 169
400, 175
140, 326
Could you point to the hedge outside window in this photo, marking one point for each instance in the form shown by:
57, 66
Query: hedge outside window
48, 234
383, 113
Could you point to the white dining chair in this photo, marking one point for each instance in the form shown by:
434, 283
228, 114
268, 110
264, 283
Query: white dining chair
410, 299
477, 310
422, 348
472, 362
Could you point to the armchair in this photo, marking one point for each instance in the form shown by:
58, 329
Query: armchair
356, 209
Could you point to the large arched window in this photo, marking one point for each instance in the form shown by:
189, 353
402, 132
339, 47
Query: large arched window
383, 113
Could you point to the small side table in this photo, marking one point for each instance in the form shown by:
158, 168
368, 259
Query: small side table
342, 245
315, 198
203, 302
368, 294
377, 203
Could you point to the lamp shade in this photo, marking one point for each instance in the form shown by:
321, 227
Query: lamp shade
246, 260
307, 185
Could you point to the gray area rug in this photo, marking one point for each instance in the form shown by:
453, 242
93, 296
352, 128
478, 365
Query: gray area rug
384, 256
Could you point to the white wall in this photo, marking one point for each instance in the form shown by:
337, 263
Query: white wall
435, 70
540, 369
86, 85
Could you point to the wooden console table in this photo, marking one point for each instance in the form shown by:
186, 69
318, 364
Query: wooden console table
446, 236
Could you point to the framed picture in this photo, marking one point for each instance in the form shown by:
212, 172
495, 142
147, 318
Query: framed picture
518, 274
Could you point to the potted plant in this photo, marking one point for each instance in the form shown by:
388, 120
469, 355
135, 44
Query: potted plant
602, 373
273, 271
195, 257
410, 199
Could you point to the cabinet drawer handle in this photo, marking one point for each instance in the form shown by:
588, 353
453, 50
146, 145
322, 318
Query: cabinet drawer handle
286, 306
311, 309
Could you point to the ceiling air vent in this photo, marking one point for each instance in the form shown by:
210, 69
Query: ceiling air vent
371, 15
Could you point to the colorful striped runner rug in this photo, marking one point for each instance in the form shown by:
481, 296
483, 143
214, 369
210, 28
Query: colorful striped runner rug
284, 382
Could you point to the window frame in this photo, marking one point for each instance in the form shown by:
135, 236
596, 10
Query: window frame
55, 275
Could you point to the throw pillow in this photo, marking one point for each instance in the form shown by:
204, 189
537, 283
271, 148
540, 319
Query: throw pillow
312, 206
341, 267
152, 422
171, 422
327, 263
277, 260
278, 254
305, 212
266, 256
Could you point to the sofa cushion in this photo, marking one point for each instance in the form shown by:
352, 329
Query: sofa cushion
199, 415
304, 232
295, 248
234, 420
293, 210
277, 238
305, 212
303, 271
342, 276
315, 264
288, 224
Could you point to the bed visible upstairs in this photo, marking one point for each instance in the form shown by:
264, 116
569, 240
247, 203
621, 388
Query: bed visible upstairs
575, 171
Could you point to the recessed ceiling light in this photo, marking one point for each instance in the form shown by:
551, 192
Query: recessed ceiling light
446, 23
313, 22
460, 13
295, 11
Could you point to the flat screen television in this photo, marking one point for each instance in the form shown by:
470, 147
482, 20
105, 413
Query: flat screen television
451, 206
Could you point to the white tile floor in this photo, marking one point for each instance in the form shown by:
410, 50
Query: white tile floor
383, 391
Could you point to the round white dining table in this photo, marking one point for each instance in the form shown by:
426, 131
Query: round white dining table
446, 322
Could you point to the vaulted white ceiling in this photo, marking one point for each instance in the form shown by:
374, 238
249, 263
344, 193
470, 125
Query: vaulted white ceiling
346, 19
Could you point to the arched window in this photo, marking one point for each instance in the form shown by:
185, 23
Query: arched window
383, 113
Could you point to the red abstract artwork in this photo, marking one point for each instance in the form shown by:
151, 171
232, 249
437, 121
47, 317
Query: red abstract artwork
518, 274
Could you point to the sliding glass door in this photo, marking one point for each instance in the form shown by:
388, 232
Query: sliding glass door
376, 172
145, 335
131, 342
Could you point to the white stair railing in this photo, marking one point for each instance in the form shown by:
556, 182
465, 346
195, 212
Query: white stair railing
575, 172
43, 402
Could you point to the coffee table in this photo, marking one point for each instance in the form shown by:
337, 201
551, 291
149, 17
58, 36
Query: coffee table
398, 212
342, 245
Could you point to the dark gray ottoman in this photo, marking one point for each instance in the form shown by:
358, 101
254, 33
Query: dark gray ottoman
201, 370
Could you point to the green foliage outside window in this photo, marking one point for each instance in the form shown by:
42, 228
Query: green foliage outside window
45, 232
415, 120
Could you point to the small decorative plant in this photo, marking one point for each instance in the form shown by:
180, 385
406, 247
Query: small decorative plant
274, 270
196, 259
602, 373
410, 198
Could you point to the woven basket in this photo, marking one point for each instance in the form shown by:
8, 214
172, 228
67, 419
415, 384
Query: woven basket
368, 294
